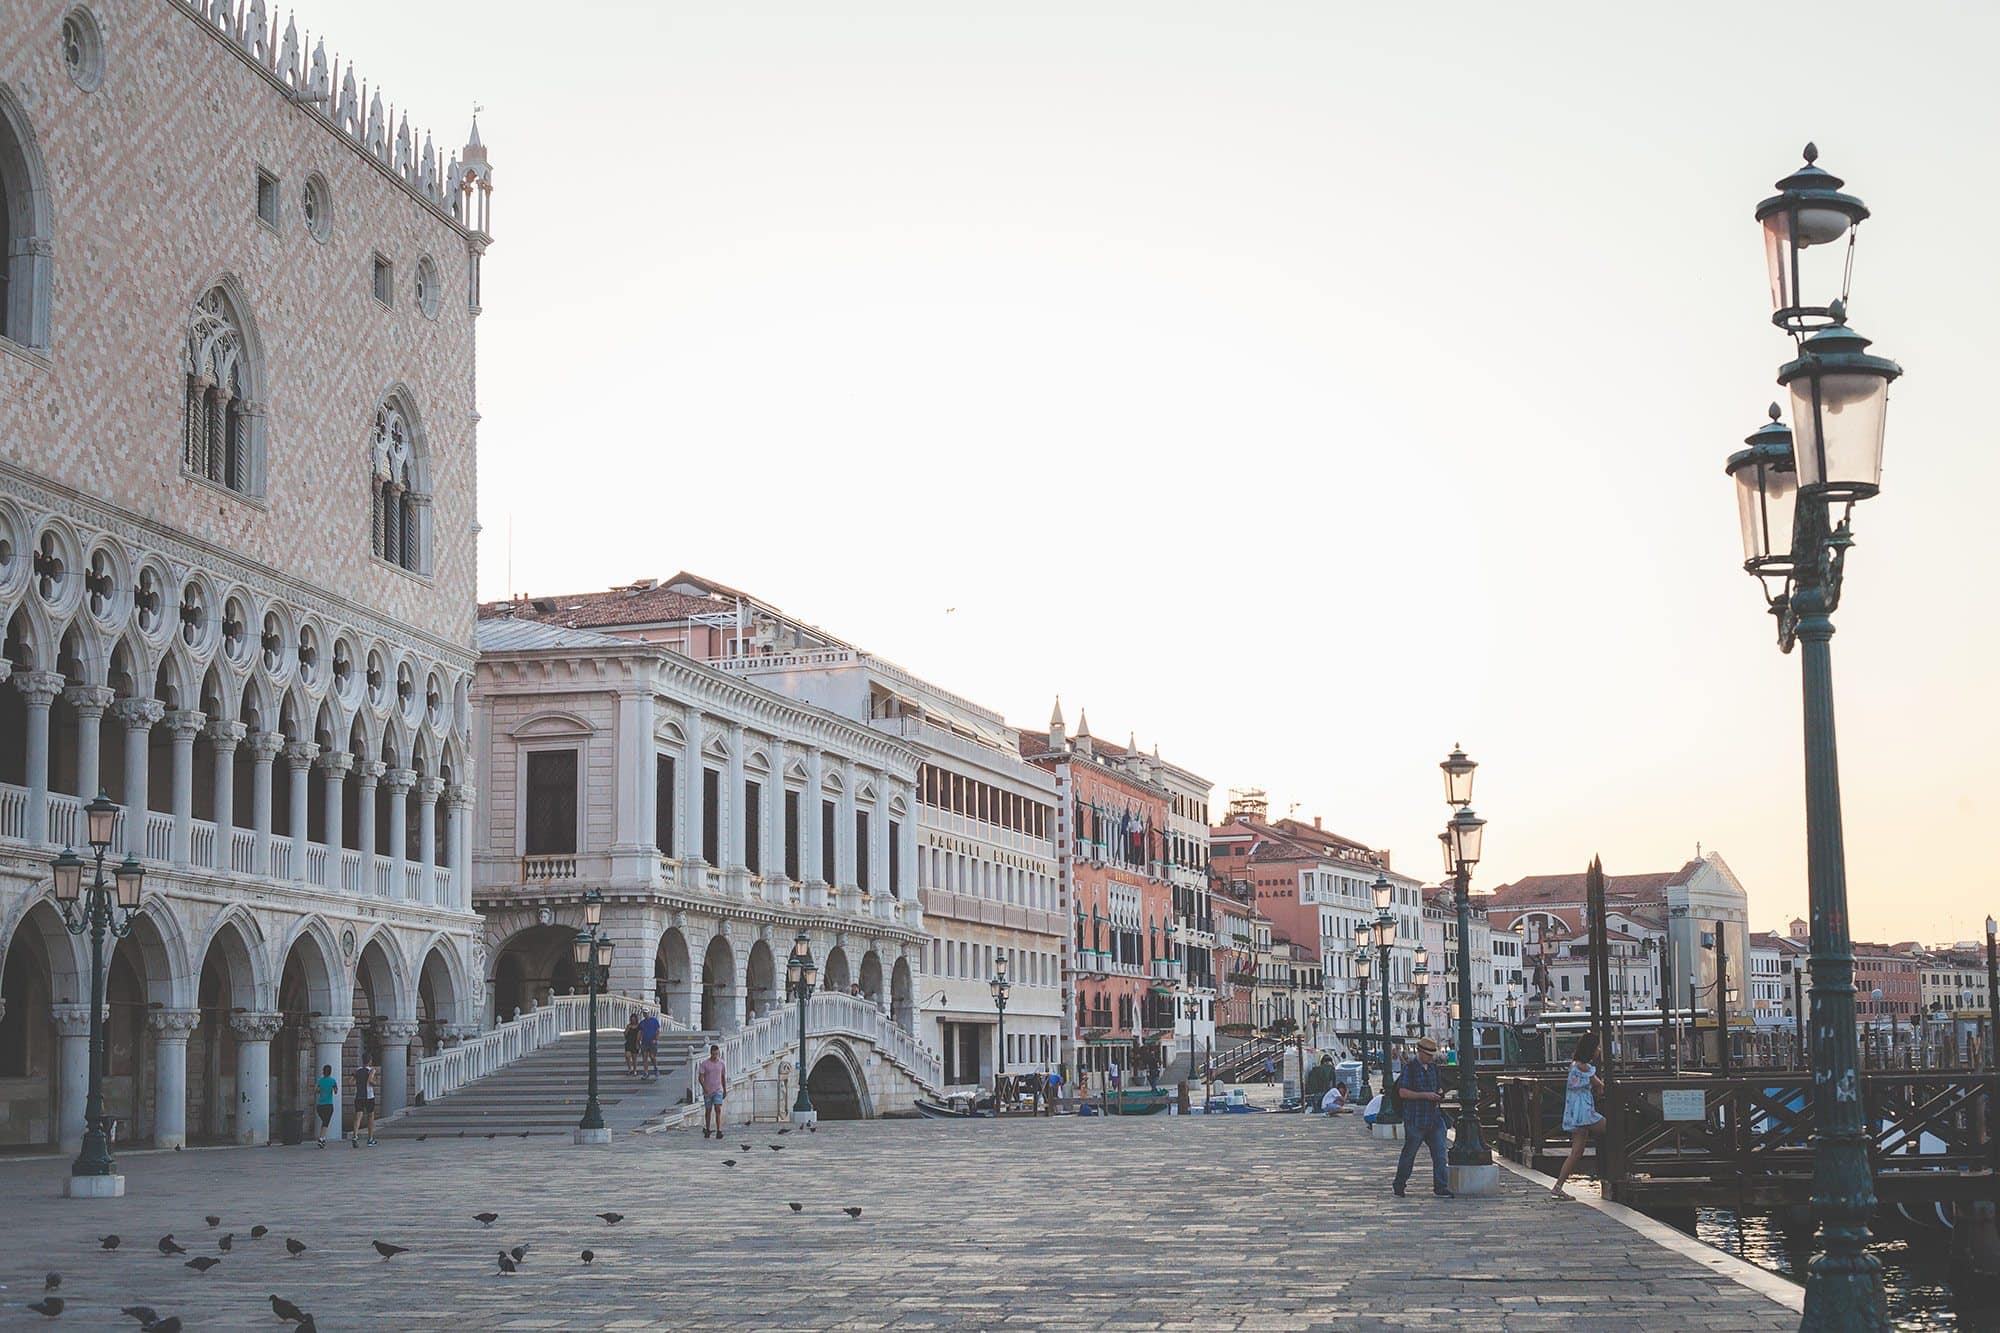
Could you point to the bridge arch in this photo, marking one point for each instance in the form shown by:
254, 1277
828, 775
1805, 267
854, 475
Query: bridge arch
838, 1083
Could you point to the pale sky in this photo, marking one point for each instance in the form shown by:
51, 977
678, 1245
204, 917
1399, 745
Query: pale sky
1304, 387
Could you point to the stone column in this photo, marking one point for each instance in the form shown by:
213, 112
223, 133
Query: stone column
399, 782
810, 857
139, 716
878, 838
633, 848
843, 827
458, 799
367, 772
774, 824
39, 689
329, 1039
299, 756
171, 1028
691, 817
428, 791
907, 835
335, 763
396, 1039
253, 1062
72, 1069
89, 701
225, 737
183, 723
264, 747
731, 814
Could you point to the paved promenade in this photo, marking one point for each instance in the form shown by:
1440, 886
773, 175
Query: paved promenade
1252, 1222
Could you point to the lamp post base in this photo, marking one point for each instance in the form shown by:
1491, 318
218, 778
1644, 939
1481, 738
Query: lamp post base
590, 1136
806, 1117
1390, 1130
1473, 1181
94, 1187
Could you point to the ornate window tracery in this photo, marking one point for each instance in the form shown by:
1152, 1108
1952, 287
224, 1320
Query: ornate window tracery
401, 491
219, 438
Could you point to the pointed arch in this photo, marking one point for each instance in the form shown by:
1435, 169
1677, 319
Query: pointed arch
222, 363
161, 943
326, 977
379, 966
444, 996
82, 656
26, 229
399, 471
236, 943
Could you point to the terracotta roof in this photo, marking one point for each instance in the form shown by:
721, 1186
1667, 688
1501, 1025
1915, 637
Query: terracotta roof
508, 634
1535, 890
615, 606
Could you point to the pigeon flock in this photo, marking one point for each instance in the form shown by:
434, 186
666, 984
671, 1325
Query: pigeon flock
148, 1319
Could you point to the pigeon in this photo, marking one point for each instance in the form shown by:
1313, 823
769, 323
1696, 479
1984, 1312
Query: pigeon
784, 1132
295, 1248
228, 1239
812, 1129
612, 1219
140, 1314
48, 1307
507, 1265
388, 1251
852, 1212
201, 1263
171, 1324
796, 1207
729, 1161
285, 1310
259, 1231
588, 1256
422, 1137
177, 1147
167, 1245
308, 1325
520, 1253
746, 1147
486, 1219
213, 1221
107, 1242
51, 1282
775, 1147
493, 1136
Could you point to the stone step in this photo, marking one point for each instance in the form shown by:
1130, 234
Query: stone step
545, 1091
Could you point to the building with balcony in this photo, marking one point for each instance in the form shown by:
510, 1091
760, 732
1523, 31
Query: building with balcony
716, 818
977, 849
237, 443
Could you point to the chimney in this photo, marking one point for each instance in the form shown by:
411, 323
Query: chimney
1316, 821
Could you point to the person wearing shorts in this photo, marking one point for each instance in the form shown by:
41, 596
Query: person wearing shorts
364, 1101
328, 1086
714, 1082
632, 1045
649, 1045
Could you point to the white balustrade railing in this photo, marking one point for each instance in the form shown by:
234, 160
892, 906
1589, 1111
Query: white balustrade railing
476, 1057
242, 851
201, 843
775, 1035
384, 869
316, 864
413, 882
159, 836
350, 872
281, 858
441, 892
13, 811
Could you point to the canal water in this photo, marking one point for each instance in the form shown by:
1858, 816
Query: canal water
1916, 1268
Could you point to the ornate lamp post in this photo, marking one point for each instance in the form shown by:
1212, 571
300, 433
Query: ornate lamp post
95, 907
1362, 970
1992, 988
1421, 978
1790, 485
1471, 1162
999, 987
593, 958
801, 976
1390, 1118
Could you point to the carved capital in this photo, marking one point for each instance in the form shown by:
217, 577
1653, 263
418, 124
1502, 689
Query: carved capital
429, 789
173, 1024
461, 795
185, 723
398, 1034
264, 745
300, 755
400, 780
72, 1020
368, 772
333, 1030
40, 688
90, 700
226, 736
138, 714
336, 763
256, 1027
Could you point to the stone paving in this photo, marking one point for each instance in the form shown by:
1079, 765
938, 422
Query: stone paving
1251, 1222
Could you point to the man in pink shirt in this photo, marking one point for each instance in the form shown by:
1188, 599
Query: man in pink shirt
714, 1080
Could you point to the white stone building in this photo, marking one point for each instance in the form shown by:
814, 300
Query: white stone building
717, 820
237, 442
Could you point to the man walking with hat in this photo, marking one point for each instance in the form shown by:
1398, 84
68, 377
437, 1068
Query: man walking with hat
1422, 1092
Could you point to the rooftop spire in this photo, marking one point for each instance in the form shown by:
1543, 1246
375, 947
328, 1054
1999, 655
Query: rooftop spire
1056, 717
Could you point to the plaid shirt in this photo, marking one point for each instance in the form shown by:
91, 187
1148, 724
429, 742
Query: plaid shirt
1419, 1076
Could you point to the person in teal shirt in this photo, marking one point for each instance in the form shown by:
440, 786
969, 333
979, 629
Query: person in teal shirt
328, 1085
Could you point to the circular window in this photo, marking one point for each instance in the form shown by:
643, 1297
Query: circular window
317, 207
83, 49
427, 287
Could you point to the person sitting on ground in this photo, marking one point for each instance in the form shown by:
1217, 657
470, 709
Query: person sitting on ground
1335, 1101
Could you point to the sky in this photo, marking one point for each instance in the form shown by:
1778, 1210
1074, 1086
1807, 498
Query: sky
1304, 388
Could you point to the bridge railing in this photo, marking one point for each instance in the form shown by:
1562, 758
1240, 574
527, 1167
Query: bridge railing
775, 1035
474, 1058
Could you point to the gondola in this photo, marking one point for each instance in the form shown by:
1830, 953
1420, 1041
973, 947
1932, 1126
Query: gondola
958, 1108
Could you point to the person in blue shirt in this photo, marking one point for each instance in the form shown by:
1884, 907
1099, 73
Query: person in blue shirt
1422, 1092
327, 1085
649, 1043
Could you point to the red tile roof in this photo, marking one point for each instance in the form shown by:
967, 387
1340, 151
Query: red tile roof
1536, 890
631, 605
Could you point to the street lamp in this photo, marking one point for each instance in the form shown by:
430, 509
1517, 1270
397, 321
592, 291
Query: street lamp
95, 907
1992, 988
1391, 1113
1471, 1162
801, 976
1362, 971
1839, 395
997, 984
1421, 977
592, 954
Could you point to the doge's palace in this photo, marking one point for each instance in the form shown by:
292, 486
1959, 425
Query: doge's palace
237, 471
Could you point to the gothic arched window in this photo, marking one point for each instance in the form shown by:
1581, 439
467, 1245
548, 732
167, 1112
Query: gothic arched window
24, 234
222, 425
399, 482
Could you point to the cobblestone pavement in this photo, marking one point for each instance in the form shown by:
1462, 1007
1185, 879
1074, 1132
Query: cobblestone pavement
1252, 1222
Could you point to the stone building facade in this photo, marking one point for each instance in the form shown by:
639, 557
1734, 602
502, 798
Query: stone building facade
237, 544
718, 820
